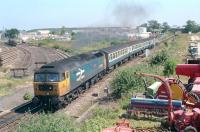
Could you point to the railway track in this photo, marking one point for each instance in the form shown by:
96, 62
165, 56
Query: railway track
26, 60
27, 56
8, 56
10, 120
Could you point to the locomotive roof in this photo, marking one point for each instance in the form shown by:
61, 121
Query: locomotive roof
69, 63
114, 48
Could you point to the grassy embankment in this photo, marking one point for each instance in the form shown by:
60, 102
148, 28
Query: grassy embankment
67, 46
106, 115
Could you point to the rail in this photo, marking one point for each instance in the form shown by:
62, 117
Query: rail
11, 119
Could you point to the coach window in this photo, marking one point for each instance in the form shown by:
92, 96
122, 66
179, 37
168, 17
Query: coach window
110, 56
115, 54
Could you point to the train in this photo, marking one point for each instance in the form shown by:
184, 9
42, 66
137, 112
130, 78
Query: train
58, 83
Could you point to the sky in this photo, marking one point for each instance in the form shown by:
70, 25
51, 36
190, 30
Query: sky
32, 14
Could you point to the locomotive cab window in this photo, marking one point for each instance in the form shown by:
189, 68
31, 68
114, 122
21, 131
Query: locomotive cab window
52, 77
39, 77
63, 76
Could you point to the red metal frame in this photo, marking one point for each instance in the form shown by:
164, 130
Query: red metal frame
168, 90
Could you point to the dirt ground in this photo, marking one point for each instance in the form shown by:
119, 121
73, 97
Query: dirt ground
16, 98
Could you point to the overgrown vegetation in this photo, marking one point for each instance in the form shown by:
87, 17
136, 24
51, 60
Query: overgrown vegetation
102, 44
47, 123
169, 68
160, 58
27, 96
8, 84
102, 118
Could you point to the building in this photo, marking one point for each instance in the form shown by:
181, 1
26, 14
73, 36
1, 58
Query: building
43, 32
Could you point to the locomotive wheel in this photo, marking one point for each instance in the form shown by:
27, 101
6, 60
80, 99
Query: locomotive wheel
190, 129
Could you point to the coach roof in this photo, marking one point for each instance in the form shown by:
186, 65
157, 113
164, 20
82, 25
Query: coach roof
121, 46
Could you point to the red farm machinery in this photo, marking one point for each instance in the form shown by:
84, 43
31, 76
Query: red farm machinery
168, 98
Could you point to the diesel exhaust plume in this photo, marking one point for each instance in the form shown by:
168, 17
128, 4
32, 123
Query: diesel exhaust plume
129, 13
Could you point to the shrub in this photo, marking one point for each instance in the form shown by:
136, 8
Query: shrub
169, 68
101, 118
56, 47
125, 81
27, 96
47, 123
159, 58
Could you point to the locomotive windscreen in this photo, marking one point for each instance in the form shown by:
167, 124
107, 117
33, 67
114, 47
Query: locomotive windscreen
43, 77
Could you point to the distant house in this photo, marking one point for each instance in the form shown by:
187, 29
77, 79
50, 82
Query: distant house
27, 36
43, 32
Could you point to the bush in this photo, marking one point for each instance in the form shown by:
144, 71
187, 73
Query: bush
159, 58
56, 47
27, 96
101, 118
124, 81
169, 68
47, 123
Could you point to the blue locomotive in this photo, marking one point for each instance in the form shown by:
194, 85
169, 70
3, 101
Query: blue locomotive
56, 84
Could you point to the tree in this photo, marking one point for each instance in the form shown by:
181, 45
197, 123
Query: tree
191, 26
53, 32
165, 27
12, 33
153, 24
62, 30
144, 25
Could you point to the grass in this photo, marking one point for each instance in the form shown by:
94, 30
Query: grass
47, 123
96, 46
63, 45
67, 45
101, 45
7, 85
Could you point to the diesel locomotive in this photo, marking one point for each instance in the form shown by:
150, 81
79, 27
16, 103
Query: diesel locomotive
56, 84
